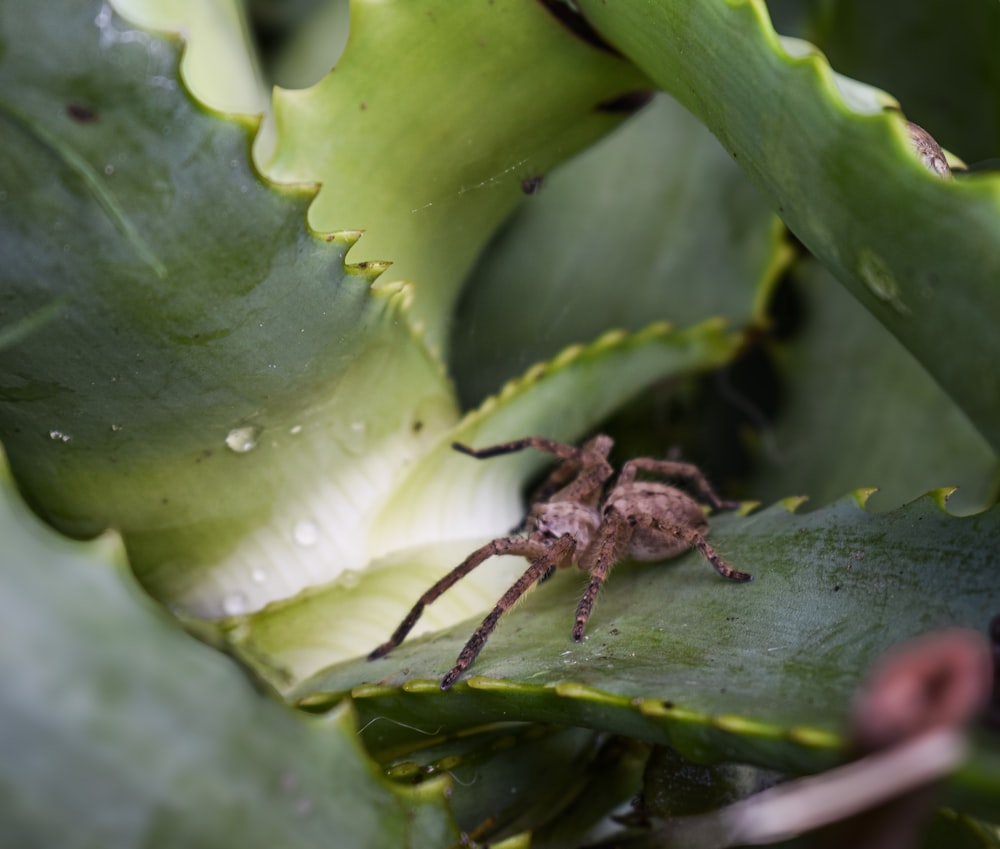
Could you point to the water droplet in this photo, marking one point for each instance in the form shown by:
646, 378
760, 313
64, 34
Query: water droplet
258, 576
352, 436
234, 604
116, 427
296, 430
59, 436
349, 579
109, 169
242, 439
880, 281
306, 533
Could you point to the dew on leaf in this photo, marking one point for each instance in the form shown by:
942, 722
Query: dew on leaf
349, 579
59, 436
306, 533
242, 439
353, 437
234, 604
877, 276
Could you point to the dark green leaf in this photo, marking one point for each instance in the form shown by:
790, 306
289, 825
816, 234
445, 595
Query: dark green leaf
918, 250
118, 730
761, 672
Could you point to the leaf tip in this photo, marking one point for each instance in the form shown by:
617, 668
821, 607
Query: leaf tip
862, 494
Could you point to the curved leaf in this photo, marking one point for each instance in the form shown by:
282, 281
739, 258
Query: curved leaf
202, 387
410, 149
119, 730
654, 222
219, 66
761, 672
917, 250
858, 410
444, 504
951, 90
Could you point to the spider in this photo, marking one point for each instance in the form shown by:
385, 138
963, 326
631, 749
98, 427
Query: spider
577, 519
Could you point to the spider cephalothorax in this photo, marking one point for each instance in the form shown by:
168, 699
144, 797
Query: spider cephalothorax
577, 519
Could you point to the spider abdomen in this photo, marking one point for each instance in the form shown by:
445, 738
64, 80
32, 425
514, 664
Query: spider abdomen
656, 512
558, 518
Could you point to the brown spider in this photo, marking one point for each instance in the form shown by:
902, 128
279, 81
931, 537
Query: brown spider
573, 521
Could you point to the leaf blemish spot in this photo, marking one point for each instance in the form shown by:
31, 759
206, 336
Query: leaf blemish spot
80, 113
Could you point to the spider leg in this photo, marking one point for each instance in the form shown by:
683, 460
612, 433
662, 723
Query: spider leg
557, 553
549, 446
505, 545
718, 563
686, 472
559, 477
548, 573
611, 546
696, 539
581, 475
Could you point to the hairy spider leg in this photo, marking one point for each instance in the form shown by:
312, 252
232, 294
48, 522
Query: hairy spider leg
520, 546
611, 548
540, 443
563, 474
685, 472
581, 475
558, 552
718, 563
696, 539
614, 545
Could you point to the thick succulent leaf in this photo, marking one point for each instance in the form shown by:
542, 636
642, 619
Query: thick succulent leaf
119, 730
761, 672
946, 76
917, 250
220, 65
206, 384
858, 410
429, 175
446, 504
654, 222
509, 778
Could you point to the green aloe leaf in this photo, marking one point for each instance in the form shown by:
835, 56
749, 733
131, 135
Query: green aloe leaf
203, 383
761, 673
219, 66
945, 77
916, 249
860, 411
447, 503
411, 151
119, 730
655, 222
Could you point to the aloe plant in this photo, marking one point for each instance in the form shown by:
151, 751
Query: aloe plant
241, 327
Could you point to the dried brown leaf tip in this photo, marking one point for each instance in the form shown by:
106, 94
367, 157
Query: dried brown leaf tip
944, 678
929, 150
